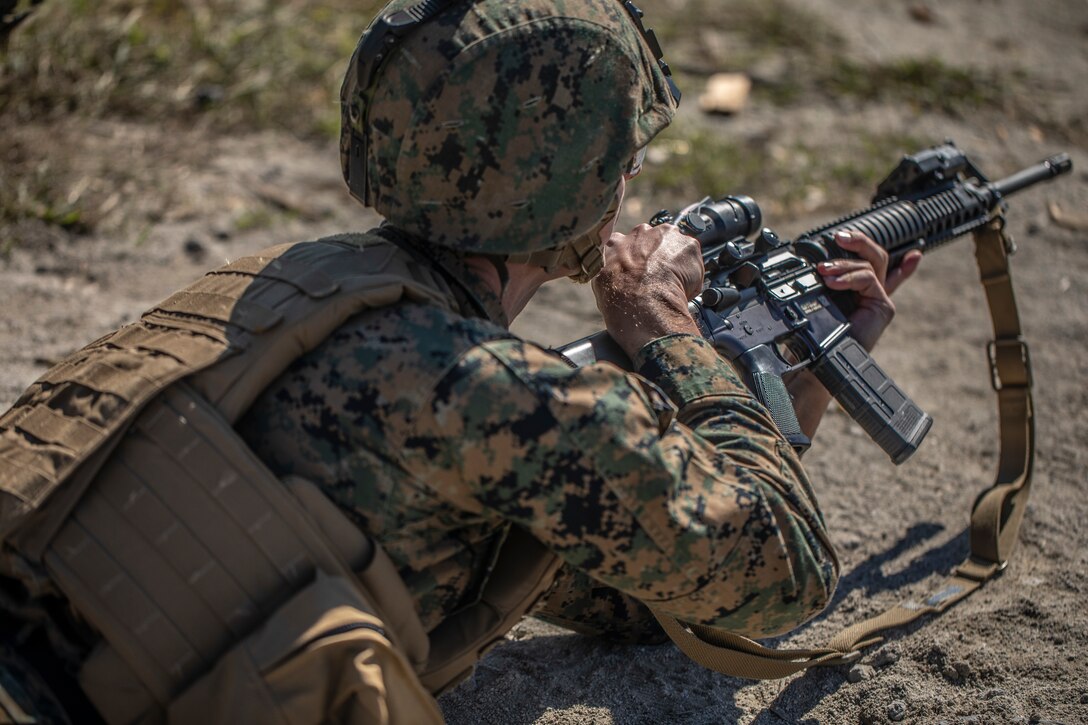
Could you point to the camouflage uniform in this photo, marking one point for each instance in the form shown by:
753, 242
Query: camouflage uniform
437, 431
434, 431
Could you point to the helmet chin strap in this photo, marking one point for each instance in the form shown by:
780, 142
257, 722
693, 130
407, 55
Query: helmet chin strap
499, 262
583, 253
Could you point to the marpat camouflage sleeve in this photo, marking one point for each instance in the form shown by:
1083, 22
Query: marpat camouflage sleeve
692, 503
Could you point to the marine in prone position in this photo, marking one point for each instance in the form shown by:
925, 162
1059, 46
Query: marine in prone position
330, 474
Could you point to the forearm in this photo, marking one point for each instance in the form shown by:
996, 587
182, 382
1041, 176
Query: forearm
780, 569
704, 513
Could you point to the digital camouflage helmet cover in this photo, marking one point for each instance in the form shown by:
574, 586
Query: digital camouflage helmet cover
501, 127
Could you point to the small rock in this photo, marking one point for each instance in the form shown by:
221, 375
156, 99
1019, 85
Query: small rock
963, 670
950, 673
207, 96
849, 542
921, 13
815, 197
1066, 219
860, 673
886, 656
1084, 699
726, 93
195, 250
897, 711
992, 693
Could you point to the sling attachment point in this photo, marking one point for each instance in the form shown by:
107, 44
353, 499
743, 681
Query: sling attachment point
1010, 363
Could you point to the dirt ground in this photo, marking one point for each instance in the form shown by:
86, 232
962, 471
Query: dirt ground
1013, 652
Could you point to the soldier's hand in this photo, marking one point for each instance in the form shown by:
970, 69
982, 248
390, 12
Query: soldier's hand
869, 278
648, 278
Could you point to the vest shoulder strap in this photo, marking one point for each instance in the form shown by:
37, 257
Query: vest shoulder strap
230, 334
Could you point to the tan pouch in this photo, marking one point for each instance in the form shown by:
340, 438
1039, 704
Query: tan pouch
185, 549
321, 657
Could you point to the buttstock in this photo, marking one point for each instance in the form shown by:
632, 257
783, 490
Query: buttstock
595, 348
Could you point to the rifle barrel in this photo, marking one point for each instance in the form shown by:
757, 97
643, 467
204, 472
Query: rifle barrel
1046, 169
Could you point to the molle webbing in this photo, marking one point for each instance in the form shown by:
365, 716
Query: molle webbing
62, 429
186, 543
121, 473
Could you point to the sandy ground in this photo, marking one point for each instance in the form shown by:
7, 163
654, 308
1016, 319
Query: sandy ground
1014, 652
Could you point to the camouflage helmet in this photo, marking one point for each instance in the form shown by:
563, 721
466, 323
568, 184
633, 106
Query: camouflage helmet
501, 127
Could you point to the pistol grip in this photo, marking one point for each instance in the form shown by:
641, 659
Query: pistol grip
763, 369
872, 398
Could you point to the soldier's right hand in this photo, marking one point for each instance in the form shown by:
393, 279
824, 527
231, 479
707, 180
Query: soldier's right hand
648, 278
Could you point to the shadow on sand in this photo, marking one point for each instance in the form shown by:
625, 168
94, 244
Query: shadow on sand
523, 681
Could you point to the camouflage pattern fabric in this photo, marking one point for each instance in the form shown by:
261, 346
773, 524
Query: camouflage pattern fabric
577, 602
435, 431
504, 127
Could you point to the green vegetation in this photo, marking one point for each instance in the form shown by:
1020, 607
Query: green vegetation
257, 218
759, 25
928, 84
806, 53
689, 161
33, 195
692, 161
227, 65
231, 63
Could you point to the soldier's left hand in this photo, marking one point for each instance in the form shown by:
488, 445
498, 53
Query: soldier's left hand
869, 278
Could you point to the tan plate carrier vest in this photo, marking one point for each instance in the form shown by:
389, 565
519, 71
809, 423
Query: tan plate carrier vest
222, 593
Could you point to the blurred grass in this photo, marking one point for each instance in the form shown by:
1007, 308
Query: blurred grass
234, 66
257, 64
925, 84
32, 192
228, 65
689, 161
232, 63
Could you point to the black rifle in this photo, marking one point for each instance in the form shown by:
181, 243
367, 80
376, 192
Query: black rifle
763, 295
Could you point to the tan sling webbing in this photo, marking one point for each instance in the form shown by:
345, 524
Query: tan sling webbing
995, 517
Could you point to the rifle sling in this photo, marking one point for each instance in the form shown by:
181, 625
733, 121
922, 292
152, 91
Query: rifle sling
995, 517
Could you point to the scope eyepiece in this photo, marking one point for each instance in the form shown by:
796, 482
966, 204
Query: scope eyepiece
726, 219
